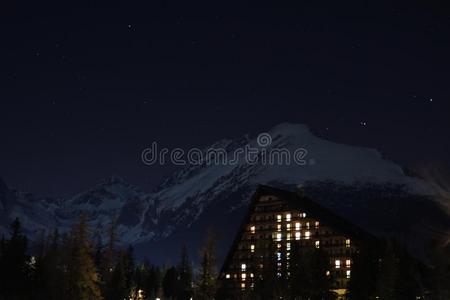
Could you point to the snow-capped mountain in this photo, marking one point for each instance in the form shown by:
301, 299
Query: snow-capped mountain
324, 160
212, 195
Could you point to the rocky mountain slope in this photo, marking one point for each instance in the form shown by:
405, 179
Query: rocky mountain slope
215, 195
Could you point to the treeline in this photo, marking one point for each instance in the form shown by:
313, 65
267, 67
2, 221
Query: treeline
380, 270
72, 266
307, 277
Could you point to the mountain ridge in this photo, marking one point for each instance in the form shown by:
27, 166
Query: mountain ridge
191, 196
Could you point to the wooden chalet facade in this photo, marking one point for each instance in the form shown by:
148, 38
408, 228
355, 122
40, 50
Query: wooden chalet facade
279, 221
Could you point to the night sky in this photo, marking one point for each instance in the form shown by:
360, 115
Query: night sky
85, 89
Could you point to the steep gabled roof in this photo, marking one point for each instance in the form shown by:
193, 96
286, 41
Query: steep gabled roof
303, 203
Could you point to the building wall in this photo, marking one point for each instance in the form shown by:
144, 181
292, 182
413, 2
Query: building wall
272, 231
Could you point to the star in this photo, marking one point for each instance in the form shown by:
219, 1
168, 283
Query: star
363, 123
431, 99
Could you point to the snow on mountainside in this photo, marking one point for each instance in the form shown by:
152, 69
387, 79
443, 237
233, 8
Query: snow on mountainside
178, 207
36, 213
325, 160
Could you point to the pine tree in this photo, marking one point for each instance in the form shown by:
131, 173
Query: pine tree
14, 272
110, 254
98, 255
129, 267
109, 269
308, 268
206, 282
82, 280
117, 284
151, 280
184, 286
388, 275
53, 264
320, 283
365, 270
120, 284
399, 274
298, 281
169, 283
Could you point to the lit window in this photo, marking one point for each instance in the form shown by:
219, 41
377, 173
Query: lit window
298, 226
337, 263
288, 227
348, 273
279, 227
347, 243
347, 263
251, 275
252, 229
279, 236
278, 218
278, 246
227, 276
303, 215
307, 235
288, 256
243, 276
316, 224
252, 248
288, 236
278, 255
243, 267
327, 273
242, 285
317, 244
288, 217
307, 225
297, 235
288, 246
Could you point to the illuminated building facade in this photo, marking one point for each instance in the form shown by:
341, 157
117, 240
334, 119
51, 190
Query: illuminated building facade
279, 221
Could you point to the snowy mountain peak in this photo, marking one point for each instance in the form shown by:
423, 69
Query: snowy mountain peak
183, 199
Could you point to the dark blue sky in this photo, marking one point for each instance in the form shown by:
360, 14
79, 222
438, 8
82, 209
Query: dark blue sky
85, 89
